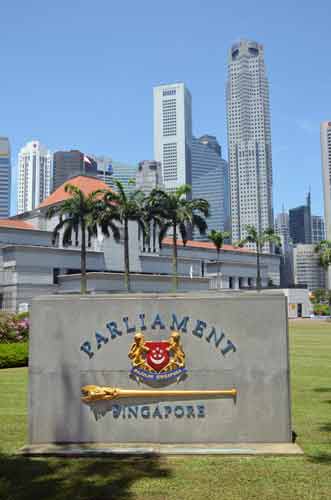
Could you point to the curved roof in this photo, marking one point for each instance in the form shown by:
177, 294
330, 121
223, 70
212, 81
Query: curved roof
85, 183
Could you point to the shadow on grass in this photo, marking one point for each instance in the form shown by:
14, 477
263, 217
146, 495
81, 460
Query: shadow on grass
24, 478
323, 389
321, 458
326, 427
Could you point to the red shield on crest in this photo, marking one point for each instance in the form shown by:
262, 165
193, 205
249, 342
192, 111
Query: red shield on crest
158, 355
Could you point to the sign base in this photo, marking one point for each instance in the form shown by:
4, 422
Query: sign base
91, 449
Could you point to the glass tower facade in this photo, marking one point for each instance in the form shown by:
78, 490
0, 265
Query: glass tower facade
300, 223
68, 164
108, 170
5, 177
210, 181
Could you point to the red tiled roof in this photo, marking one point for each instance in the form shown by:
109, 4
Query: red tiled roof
83, 182
207, 245
16, 224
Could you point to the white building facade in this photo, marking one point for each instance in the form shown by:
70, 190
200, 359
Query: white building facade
173, 133
34, 176
249, 139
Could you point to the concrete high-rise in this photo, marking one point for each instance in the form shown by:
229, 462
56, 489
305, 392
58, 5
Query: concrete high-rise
210, 181
282, 228
34, 176
149, 176
326, 174
317, 229
307, 269
69, 164
5, 177
173, 133
249, 139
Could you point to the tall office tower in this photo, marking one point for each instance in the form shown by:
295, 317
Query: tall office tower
149, 176
326, 175
67, 164
210, 181
249, 139
317, 229
300, 223
282, 228
34, 176
105, 168
173, 133
5, 177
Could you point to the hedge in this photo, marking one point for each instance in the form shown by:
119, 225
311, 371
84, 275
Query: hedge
321, 310
14, 355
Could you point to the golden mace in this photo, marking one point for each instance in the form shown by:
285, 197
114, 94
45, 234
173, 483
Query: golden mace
97, 393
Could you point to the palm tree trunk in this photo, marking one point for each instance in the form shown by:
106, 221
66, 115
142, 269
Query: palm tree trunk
83, 281
258, 275
218, 266
126, 256
174, 259
154, 235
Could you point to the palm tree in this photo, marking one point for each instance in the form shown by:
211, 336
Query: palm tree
173, 211
127, 207
79, 213
218, 237
323, 248
259, 239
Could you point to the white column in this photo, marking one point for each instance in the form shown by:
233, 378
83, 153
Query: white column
224, 281
236, 282
244, 282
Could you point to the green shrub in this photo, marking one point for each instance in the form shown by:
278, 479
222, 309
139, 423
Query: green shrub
321, 310
14, 355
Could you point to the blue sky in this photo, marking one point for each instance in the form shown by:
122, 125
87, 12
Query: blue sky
79, 74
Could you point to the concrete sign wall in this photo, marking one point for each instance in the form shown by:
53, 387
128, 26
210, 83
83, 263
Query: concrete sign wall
226, 341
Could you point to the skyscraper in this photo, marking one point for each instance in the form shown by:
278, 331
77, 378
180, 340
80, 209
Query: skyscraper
34, 176
300, 223
109, 169
5, 177
210, 180
306, 266
173, 133
68, 164
326, 174
149, 176
317, 229
249, 139
282, 228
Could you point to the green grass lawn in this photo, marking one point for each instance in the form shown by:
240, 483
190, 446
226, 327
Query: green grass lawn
214, 478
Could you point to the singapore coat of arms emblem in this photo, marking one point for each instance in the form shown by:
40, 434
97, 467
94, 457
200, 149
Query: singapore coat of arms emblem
162, 360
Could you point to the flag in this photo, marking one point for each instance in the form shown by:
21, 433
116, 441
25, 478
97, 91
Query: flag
87, 160
110, 168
